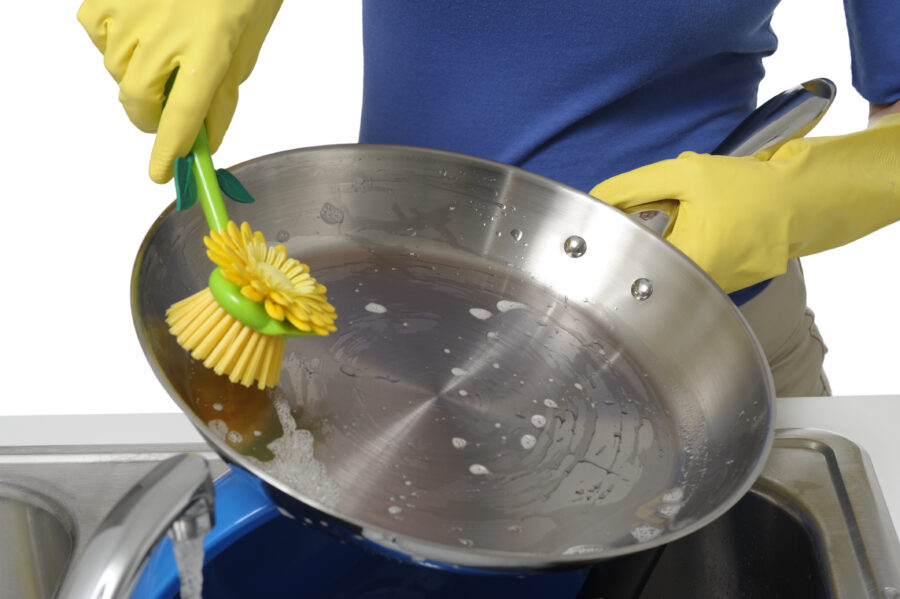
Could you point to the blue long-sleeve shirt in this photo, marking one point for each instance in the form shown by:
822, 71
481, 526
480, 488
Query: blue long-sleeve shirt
582, 90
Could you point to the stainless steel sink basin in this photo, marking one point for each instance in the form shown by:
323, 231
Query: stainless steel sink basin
52, 499
37, 542
814, 525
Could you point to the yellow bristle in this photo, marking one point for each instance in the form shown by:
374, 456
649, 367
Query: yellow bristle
228, 350
202, 324
243, 361
223, 323
265, 275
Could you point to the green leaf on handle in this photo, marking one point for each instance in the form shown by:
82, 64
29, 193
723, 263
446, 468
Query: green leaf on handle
185, 186
231, 187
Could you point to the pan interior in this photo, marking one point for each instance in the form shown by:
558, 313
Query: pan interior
487, 397
463, 404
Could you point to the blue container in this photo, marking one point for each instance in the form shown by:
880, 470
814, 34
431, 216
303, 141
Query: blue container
256, 551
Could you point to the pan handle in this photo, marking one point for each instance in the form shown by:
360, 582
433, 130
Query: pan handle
791, 114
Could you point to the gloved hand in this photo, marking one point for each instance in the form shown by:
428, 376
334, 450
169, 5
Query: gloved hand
742, 218
213, 43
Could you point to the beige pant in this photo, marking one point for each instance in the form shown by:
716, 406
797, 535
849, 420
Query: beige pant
786, 329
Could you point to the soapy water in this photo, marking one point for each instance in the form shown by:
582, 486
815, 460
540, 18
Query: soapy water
375, 308
478, 469
480, 313
583, 549
645, 533
538, 421
507, 305
294, 463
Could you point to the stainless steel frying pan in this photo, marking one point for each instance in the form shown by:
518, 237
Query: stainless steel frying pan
523, 377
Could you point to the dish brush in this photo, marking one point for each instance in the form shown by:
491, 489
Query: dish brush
257, 296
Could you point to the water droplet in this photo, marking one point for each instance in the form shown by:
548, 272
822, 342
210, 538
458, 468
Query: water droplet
463, 392
459, 372
375, 308
668, 510
218, 407
395, 509
514, 528
495, 365
582, 549
645, 533
478, 469
446, 350
516, 234
234, 437
348, 370
507, 305
538, 421
575, 246
458, 442
528, 441
673, 495
218, 428
579, 386
641, 289
550, 403
331, 214
466, 542
480, 313
493, 335
282, 236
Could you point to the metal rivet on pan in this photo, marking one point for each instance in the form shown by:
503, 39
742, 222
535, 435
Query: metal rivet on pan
641, 289
575, 246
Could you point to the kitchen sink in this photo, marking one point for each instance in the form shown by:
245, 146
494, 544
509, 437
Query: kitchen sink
37, 542
813, 525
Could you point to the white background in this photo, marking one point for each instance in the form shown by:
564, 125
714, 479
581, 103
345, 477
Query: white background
78, 200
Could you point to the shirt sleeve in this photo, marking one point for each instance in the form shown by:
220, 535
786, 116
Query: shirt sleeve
874, 28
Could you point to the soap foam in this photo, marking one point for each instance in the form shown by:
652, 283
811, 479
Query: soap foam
294, 463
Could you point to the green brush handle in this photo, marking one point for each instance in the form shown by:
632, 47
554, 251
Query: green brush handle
208, 191
227, 294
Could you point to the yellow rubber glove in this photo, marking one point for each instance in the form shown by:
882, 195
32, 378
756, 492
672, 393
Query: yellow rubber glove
213, 43
742, 218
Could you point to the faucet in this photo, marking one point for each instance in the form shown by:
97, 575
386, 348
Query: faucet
176, 496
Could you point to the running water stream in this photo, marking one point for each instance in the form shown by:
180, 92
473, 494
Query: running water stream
189, 559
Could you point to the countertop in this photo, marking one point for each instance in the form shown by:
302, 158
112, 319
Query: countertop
872, 422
